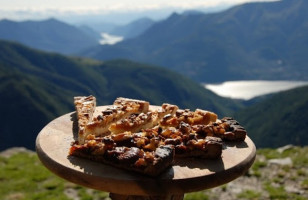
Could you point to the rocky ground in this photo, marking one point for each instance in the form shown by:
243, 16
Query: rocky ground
276, 174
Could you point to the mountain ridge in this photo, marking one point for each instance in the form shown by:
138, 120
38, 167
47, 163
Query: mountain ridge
37, 87
262, 40
278, 120
133, 29
49, 35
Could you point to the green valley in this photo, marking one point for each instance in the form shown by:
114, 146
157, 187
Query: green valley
279, 119
37, 87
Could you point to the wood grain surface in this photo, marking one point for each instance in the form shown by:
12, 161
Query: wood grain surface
186, 175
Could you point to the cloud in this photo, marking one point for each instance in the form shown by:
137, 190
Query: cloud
108, 5
16, 9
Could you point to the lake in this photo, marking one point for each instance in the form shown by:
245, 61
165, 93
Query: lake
110, 39
250, 89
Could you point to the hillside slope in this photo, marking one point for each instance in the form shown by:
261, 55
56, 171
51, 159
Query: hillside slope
36, 87
264, 40
133, 29
279, 120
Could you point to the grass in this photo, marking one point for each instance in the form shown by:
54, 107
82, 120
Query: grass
257, 166
196, 196
298, 155
23, 177
304, 184
275, 192
249, 194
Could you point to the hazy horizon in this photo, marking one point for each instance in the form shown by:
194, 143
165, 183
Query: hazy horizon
121, 12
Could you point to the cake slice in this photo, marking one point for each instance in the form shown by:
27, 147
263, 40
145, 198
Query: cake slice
150, 163
122, 107
85, 107
227, 129
142, 121
198, 117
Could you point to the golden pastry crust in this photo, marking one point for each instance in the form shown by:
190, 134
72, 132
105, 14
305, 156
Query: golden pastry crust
142, 121
197, 117
85, 107
134, 136
123, 107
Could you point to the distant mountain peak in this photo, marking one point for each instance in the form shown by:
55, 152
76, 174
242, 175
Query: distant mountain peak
52, 19
193, 12
134, 28
174, 15
5, 20
49, 35
257, 40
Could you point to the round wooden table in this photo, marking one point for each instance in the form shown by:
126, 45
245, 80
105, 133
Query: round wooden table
186, 175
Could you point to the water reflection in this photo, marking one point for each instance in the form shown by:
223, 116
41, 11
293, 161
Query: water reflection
250, 89
110, 39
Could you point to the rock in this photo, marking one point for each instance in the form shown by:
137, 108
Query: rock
11, 151
282, 149
281, 161
293, 189
71, 193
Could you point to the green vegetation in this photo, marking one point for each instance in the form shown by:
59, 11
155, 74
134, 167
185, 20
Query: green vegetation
39, 87
305, 184
50, 35
278, 120
249, 194
268, 181
196, 196
244, 42
275, 192
256, 168
22, 176
42, 86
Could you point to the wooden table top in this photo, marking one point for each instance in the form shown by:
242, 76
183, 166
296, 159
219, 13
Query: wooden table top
186, 175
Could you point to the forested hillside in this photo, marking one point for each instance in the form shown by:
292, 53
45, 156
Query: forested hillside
36, 87
264, 40
279, 120
48, 35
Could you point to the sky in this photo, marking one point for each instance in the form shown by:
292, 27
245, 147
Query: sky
40, 9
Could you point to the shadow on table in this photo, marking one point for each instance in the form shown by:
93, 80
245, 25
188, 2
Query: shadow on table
237, 144
75, 125
117, 180
212, 165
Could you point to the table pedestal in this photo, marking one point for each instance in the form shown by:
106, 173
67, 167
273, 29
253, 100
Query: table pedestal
133, 197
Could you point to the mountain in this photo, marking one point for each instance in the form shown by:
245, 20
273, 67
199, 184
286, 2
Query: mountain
133, 29
89, 31
192, 12
98, 26
264, 40
49, 35
36, 87
279, 120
